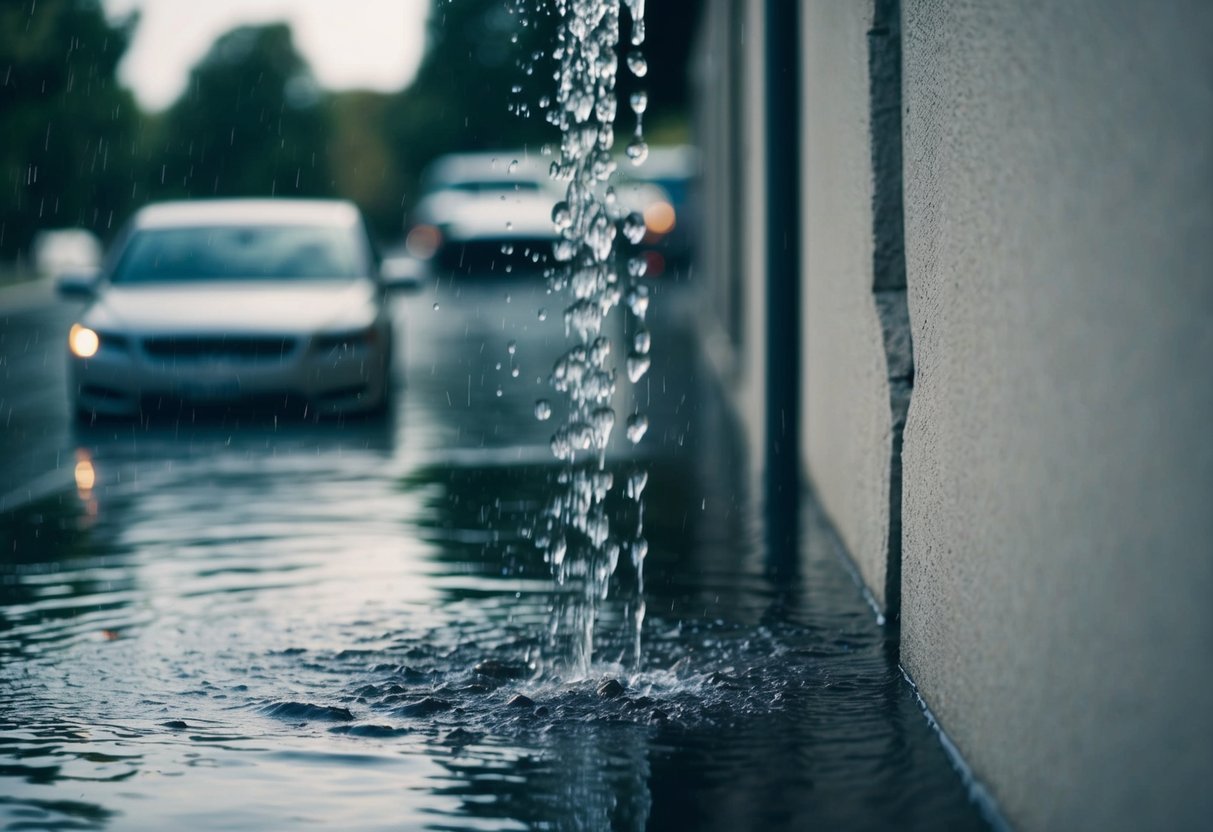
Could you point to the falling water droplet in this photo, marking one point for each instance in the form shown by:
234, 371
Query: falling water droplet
515, 372
636, 484
642, 341
638, 65
500, 392
543, 314
435, 306
543, 410
639, 102
637, 151
638, 424
514, 164
633, 227
638, 300
638, 365
511, 347
561, 215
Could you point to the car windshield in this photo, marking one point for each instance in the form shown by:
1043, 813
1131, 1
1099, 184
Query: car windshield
295, 252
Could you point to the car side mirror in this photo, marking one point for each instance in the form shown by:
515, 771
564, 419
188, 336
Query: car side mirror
77, 285
402, 274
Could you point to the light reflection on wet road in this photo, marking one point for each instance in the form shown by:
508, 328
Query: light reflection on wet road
229, 623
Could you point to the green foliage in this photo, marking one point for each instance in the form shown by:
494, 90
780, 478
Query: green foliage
251, 123
68, 128
463, 99
77, 152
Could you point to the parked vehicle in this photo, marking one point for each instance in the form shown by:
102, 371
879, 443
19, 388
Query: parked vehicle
234, 301
662, 191
485, 213
66, 250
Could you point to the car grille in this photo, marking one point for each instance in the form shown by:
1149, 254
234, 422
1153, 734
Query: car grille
219, 348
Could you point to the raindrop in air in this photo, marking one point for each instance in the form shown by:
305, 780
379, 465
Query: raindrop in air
638, 423
638, 365
640, 102
637, 151
636, 484
435, 306
638, 300
543, 410
633, 227
561, 215
543, 314
511, 347
642, 341
638, 65
514, 164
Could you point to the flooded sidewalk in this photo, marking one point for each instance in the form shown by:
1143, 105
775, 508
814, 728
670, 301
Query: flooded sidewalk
260, 625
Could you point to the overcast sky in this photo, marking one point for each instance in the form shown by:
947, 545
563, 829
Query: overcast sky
362, 44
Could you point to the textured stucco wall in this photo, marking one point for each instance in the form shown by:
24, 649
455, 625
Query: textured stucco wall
846, 423
1058, 545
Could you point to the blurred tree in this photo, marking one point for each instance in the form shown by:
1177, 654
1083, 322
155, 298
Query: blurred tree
488, 66
485, 68
251, 123
68, 129
365, 163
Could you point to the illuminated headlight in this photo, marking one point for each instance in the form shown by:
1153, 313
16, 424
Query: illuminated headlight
82, 341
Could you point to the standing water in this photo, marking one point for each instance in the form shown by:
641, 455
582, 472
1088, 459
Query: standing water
225, 621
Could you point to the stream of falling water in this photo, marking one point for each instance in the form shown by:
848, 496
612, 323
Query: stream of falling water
576, 531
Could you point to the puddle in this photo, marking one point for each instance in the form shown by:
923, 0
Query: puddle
345, 625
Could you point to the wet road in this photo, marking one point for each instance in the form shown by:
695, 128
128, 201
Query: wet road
235, 623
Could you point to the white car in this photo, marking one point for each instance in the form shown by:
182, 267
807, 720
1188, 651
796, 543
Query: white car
65, 250
254, 302
485, 213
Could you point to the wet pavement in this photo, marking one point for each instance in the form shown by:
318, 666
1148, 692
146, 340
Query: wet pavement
241, 622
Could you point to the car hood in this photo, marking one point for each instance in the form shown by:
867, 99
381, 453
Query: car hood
224, 307
498, 216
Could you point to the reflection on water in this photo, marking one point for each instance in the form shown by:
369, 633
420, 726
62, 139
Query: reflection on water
299, 624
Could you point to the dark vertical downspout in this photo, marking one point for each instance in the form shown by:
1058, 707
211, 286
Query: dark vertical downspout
781, 82
889, 264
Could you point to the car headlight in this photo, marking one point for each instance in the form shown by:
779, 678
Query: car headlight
82, 341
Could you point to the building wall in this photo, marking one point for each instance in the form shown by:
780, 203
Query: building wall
846, 425
728, 70
1058, 544
1053, 531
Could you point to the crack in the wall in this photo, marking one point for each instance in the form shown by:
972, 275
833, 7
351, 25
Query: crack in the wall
889, 263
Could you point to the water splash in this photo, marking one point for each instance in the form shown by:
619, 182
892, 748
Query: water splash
576, 533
